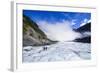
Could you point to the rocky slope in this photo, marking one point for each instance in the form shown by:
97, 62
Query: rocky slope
32, 34
86, 27
86, 33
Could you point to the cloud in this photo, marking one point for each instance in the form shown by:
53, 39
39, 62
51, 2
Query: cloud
73, 22
85, 34
60, 31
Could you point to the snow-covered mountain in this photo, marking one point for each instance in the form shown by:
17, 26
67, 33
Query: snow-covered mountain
86, 33
85, 28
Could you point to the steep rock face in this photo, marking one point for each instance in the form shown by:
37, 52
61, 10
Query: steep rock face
32, 34
86, 27
84, 39
86, 33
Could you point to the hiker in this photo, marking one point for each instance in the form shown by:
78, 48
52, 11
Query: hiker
44, 48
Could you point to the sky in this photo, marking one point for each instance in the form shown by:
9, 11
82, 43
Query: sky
75, 18
59, 25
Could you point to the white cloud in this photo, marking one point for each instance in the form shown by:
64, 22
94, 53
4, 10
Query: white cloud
85, 34
61, 31
85, 20
73, 22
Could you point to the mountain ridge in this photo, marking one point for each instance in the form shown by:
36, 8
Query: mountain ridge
32, 34
85, 37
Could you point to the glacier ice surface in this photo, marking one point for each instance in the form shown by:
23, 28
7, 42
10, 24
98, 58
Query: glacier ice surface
61, 51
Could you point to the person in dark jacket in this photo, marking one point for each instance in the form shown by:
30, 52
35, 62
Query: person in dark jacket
45, 48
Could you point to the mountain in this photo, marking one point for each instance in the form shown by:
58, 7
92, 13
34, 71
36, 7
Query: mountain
32, 34
84, 39
86, 27
86, 33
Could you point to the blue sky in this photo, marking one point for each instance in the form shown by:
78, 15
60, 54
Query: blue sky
75, 18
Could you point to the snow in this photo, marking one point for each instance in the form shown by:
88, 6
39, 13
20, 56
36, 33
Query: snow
61, 51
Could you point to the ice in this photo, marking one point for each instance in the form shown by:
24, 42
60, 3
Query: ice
61, 51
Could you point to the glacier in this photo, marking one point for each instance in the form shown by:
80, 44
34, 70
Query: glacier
61, 51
